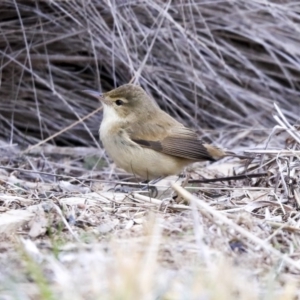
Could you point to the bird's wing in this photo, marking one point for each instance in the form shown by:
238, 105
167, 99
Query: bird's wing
173, 140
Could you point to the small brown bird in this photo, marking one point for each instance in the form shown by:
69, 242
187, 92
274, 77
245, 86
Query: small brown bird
144, 140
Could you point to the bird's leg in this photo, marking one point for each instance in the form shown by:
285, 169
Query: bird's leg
150, 186
154, 181
186, 180
123, 188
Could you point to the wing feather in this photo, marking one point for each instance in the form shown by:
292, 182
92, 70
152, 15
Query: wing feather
180, 147
173, 140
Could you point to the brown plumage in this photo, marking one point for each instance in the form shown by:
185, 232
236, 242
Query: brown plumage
144, 140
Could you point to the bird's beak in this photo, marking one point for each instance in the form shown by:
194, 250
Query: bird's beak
98, 95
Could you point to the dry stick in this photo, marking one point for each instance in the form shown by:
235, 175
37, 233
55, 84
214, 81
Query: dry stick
275, 152
62, 131
67, 151
66, 223
281, 120
237, 177
80, 178
188, 196
149, 49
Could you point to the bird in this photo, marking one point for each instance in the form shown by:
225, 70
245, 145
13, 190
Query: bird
144, 140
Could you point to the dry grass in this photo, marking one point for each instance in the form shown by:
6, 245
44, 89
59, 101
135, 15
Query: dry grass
75, 227
87, 237
208, 63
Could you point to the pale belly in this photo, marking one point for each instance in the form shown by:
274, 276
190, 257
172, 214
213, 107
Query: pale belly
142, 162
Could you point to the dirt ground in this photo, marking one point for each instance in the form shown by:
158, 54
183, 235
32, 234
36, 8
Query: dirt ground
75, 227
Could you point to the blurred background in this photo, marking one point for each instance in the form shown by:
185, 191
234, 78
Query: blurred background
217, 66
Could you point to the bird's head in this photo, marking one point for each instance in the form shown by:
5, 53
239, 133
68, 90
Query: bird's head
128, 102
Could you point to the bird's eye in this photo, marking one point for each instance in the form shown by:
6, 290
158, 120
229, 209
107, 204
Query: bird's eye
119, 102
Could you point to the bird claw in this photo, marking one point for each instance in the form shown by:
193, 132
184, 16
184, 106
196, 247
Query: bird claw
151, 191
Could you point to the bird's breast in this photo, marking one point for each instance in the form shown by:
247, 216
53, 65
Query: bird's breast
135, 159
